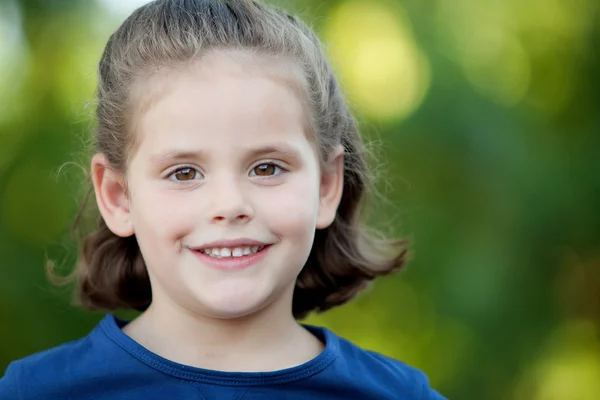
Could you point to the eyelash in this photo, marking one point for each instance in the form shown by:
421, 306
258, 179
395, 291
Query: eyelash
274, 164
171, 175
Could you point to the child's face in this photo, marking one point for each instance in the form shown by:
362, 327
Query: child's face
223, 155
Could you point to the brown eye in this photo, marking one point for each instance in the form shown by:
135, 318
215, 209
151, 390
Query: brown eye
265, 170
185, 174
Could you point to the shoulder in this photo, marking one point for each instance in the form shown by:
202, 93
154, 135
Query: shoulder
57, 355
40, 369
50, 370
379, 370
67, 356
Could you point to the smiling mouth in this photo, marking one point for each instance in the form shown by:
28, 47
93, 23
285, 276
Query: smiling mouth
229, 259
231, 252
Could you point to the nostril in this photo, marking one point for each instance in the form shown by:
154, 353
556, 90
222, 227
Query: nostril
221, 218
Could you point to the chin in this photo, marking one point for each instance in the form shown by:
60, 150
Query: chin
233, 307
231, 312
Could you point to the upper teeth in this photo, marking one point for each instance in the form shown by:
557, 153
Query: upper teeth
219, 252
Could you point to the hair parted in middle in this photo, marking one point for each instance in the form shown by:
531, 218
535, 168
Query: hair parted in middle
163, 34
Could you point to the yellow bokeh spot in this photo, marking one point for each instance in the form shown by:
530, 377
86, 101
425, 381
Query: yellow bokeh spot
481, 38
569, 368
382, 70
575, 376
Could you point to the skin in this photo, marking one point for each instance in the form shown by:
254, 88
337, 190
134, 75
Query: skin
222, 153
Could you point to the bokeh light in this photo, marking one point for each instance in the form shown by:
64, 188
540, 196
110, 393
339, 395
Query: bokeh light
13, 70
122, 8
568, 368
383, 70
480, 37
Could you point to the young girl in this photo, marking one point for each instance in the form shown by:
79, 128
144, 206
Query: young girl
229, 175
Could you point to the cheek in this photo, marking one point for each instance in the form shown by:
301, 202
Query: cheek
292, 206
159, 215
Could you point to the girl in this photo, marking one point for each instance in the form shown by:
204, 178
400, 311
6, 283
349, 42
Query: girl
229, 174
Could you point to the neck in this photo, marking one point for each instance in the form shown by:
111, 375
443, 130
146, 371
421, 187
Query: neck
267, 340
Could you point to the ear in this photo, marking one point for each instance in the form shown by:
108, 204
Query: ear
111, 196
332, 184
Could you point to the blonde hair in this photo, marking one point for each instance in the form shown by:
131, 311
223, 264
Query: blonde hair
111, 273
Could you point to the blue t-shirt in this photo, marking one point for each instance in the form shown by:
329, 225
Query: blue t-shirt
108, 364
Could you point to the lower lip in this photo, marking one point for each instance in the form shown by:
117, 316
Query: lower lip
231, 263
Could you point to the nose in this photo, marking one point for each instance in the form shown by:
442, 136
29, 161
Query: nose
229, 202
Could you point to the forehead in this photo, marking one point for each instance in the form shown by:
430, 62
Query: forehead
151, 83
224, 94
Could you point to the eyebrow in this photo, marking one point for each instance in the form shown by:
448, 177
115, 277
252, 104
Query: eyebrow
281, 149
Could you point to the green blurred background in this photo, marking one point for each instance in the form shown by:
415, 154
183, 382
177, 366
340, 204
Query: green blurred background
486, 114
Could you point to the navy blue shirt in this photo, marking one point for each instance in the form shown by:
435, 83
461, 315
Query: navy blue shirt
108, 364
